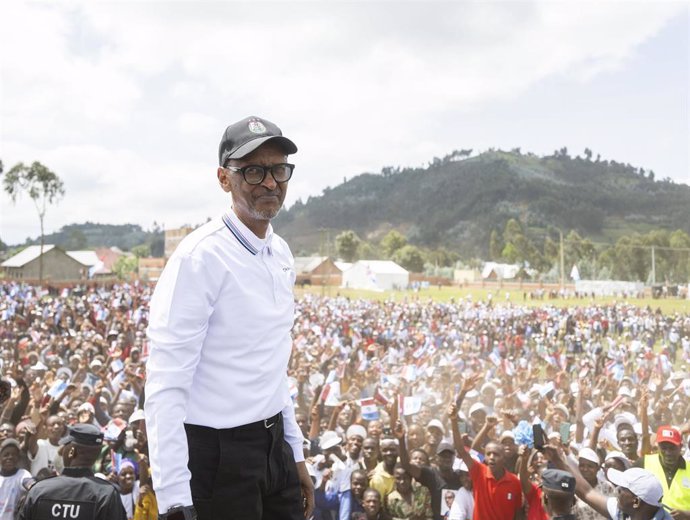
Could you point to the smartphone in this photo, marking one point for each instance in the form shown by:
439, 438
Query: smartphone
462, 426
539, 437
565, 432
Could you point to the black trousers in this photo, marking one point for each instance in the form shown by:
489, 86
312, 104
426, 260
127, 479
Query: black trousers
244, 473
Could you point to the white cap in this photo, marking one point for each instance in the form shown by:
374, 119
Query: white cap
624, 418
329, 439
356, 430
476, 407
640, 482
137, 415
590, 455
86, 407
435, 423
618, 455
506, 434
624, 391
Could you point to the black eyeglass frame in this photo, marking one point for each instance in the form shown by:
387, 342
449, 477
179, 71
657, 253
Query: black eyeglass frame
266, 169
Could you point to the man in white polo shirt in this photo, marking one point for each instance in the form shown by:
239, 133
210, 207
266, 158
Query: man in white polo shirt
218, 409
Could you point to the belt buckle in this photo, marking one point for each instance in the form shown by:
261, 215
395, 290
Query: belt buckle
267, 425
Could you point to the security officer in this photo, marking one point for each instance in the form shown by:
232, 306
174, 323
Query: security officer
558, 494
76, 494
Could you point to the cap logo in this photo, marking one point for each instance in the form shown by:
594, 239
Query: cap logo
564, 485
256, 127
667, 433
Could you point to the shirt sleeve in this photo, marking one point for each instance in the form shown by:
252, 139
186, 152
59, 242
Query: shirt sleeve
293, 435
180, 309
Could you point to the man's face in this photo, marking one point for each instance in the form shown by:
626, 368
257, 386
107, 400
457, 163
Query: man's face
478, 418
375, 429
669, 454
56, 428
370, 448
389, 453
371, 503
626, 500
419, 458
260, 202
303, 423
509, 447
494, 457
358, 483
9, 458
433, 436
403, 482
6, 431
415, 436
354, 446
450, 498
627, 440
588, 469
445, 460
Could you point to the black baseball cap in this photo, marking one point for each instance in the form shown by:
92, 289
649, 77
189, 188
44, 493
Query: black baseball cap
558, 480
243, 137
444, 446
84, 434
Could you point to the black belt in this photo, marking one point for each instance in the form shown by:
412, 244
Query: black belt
262, 424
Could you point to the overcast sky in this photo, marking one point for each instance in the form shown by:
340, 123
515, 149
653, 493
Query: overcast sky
126, 101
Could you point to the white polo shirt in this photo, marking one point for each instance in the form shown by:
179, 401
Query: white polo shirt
220, 340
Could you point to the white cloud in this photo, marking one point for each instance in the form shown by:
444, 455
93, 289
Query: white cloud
127, 101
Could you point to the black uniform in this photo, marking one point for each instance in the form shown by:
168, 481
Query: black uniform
75, 495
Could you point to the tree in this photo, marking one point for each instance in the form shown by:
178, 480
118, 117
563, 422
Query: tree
410, 257
125, 266
495, 245
347, 245
392, 242
142, 251
43, 187
588, 154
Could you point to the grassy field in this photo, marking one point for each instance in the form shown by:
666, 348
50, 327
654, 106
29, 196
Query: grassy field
500, 296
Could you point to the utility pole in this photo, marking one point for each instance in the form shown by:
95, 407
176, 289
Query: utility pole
653, 267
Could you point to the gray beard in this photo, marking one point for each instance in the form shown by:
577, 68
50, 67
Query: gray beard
264, 215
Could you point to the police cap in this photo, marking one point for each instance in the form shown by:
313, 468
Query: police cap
84, 434
558, 480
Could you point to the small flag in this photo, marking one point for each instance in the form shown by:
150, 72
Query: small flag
57, 388
379, 397
333, 396
370, 412
409, 373
411, 405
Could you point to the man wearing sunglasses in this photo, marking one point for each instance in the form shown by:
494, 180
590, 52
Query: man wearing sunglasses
223, 438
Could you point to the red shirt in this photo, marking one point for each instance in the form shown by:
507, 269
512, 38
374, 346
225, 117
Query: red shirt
535, 507
495, 499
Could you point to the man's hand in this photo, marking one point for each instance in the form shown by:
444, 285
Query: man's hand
677, 514
471, 382
307, 489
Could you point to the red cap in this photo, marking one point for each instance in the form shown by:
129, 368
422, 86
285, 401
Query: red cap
668, 434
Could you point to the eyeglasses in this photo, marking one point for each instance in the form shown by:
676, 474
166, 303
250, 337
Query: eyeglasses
254, 174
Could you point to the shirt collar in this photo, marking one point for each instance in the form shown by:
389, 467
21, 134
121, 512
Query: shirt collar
246, 236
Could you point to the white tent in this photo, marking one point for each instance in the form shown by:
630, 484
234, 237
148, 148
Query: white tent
376, 275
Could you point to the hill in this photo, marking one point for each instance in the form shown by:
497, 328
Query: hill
457, 201
92, 235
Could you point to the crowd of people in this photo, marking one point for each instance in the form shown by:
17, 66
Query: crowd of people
410, 409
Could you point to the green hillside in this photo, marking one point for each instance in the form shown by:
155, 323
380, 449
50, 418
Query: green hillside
457, 201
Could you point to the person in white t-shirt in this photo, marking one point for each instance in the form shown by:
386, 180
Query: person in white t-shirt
12, 478
43, 453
